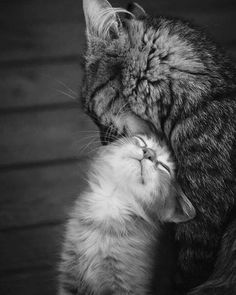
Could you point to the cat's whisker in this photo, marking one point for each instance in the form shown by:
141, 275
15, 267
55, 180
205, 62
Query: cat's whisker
61, 83
67, 94
122, 108
68, 88
109, 133
93, 116
89, 131
118, 114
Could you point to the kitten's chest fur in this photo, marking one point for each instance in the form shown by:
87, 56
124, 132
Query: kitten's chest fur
116, 255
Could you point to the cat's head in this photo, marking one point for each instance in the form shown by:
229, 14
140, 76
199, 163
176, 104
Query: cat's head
134, 64
141, 169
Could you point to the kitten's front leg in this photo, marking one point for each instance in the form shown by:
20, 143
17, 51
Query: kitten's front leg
70, 282
62, 291
67, 287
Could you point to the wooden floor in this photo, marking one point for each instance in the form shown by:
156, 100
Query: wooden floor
43, 132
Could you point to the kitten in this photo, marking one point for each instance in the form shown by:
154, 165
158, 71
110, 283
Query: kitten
166, 72
114, 230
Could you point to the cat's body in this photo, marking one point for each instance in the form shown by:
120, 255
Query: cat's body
113, 233
166, 72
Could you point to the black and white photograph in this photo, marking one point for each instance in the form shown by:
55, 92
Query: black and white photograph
117, 147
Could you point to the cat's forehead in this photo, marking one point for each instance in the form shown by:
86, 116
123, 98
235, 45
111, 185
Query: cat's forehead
132, 37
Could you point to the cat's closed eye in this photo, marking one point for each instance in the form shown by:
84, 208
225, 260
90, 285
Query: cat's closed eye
112, 54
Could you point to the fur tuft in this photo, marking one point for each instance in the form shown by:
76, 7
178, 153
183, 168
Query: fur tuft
102, 19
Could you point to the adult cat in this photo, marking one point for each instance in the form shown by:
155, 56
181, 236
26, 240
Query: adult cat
114, 235
169, 74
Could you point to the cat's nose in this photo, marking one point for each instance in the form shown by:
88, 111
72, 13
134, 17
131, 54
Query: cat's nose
149, 154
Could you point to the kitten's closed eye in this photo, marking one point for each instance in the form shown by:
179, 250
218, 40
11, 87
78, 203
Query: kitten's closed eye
163, 166
149, 153
139, 141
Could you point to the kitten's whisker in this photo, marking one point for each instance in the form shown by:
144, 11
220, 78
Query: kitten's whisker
85, 138
89, 151
94, 150
93, 141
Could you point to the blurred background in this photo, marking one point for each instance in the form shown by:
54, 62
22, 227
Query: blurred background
44, 136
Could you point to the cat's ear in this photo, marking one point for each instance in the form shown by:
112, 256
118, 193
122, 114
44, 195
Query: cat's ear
102, 20
136, 10
177, 207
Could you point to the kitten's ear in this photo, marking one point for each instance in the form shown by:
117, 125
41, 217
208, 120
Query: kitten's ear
136, 10
102, 19
177, 207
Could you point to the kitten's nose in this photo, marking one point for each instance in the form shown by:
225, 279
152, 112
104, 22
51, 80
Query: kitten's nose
149, 154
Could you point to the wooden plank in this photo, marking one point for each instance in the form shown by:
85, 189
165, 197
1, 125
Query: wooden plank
71, 10
185, 7
43, 136
42, 42
39, 85
42, 11
35, 248
40, 195
36, 283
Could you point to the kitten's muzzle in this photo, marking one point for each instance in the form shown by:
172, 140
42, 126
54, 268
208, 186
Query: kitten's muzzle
149, 154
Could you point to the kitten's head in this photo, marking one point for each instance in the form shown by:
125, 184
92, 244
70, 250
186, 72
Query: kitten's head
136, 64
140, 169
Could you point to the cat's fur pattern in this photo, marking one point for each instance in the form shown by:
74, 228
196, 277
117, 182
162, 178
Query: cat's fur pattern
113, 232
167, 72
225, 268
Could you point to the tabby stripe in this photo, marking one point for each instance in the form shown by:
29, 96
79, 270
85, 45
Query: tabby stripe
192, 73
109, 106
167, 106
101, 86
177, 119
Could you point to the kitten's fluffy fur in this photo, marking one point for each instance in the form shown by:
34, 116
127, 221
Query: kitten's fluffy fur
115, 226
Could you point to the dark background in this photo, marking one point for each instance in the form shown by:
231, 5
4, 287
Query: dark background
44, 136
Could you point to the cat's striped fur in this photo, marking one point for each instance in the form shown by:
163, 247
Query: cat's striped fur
173, 76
